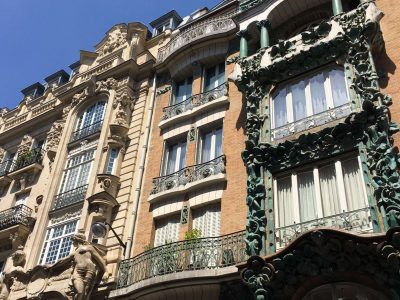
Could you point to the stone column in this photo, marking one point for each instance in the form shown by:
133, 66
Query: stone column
264, 26
337, 7
244, 36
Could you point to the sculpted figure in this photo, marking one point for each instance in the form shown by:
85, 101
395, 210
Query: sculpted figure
17, 268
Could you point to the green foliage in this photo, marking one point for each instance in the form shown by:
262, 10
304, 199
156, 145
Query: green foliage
192, 234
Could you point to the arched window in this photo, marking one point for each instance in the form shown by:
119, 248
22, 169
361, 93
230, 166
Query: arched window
310, 101
90, 121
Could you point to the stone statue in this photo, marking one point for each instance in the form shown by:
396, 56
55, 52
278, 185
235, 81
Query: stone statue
88, 267
17, 268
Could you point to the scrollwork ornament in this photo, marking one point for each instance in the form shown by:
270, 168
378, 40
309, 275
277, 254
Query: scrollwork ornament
257, 276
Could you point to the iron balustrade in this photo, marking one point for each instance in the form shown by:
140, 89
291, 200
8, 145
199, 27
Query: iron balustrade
195, 101
209, 27
19, 214
358, 220
70, 197
5, 167
311, 121
189, 174
188, 255
27, 158
87, 131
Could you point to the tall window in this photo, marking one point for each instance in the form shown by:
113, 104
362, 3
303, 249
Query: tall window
183, 90
167, 230
310, 96
321, 191
210, 145
111, 161
175, 157
214, 76
58, 243
207, 219
6, 164
90, 121
77, 170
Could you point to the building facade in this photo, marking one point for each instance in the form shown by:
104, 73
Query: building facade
247, 151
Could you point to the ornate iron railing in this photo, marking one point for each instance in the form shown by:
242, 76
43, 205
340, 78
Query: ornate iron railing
213, 26
27, 158
189, 174
188, 255
312, 121
70, 197
5, 167
19, 214
357, 220
195, 101
87, 131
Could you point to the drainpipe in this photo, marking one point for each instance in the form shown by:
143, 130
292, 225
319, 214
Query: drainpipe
141, 170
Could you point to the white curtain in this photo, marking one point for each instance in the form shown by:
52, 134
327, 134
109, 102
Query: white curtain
218, 142
208, 220
307, 199
171, 160
318, 93
299, 101
280, 113
206, 147
285, 202
167, 230
329, 191
338, 85
182, 156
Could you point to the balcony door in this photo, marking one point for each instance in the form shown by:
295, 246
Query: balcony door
183, 90
210, 145
214, 77
175, 157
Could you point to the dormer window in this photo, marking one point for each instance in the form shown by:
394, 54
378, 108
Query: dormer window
309, 102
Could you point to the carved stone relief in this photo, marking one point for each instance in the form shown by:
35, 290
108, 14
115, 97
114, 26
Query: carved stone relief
26, 144
115, 40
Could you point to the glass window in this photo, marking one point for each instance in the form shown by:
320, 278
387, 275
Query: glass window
111, 162
90, 121
214, 76
167, 230
210, 145
21, 198
183, 90
207, 219
175, 157
305, 103
328, 192
58, 243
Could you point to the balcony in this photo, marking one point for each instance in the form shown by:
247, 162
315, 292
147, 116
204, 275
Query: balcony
189, 255
195, 104
5, 166
358, 221
26, 166
202, 30
311, 121
86, 131
188, 179
18, 215
70, 197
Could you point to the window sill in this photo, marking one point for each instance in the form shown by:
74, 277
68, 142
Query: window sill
191, 186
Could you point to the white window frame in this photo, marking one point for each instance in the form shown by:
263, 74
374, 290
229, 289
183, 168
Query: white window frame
217, 71
295, 192
203, 133
82, 117
309, 104
48, 239
177, 166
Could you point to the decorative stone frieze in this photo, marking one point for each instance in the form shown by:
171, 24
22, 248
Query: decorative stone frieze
345, 38
53, 138
94, 87
116, 38
26, 144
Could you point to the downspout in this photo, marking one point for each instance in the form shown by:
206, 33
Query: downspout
141, 170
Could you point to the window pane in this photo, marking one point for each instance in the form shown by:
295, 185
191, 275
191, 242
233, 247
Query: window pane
218, 142
208, 220
210, 79
88, 116
182, 158
172, 155
353, 184
221, 73
111, 161
167, 230
280, 113
299, 101
307, 200
285, 201
206, 147
189, 83
318, 93
180, 91
98, 116
338, 84
329, 192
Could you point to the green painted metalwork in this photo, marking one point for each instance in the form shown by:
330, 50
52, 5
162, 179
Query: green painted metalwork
264, 26
244, 35
337, 7
369, 128
247, 4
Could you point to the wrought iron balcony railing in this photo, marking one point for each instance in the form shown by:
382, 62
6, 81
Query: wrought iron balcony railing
27, 158
189, 174
195, 101
70, 197
188, 255
87, 131
197, 31
357, 221
19, 214
5, 167
312, 121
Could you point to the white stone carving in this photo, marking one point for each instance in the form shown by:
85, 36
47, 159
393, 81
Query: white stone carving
115, 40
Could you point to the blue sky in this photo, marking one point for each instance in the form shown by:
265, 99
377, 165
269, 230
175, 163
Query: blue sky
39, 37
